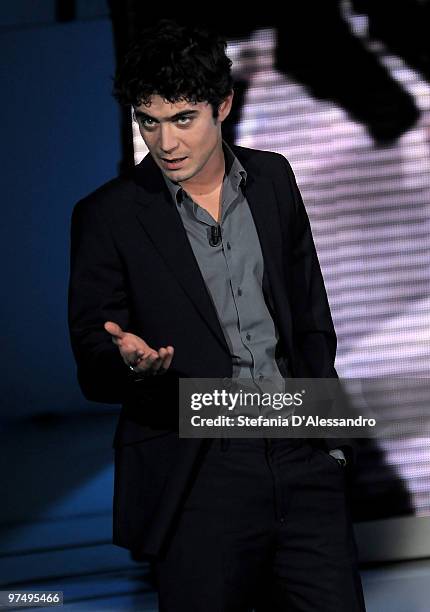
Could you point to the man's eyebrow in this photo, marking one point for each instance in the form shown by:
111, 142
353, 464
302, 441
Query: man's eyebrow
186, 113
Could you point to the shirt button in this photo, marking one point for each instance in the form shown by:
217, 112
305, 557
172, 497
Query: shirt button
228, 246
248, 336
239, 291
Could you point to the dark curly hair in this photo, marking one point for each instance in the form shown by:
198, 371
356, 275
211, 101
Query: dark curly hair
176, 62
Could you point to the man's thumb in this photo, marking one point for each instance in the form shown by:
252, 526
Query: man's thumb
114, 329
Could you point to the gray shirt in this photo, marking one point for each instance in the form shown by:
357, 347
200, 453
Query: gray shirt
233, 273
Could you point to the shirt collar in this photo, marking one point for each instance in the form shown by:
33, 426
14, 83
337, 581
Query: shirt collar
235, 173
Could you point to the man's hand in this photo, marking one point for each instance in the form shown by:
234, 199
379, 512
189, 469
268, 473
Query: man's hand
339, 455
137, 354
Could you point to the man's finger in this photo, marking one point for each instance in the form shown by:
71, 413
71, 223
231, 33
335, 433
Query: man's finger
159, 363
166, 355
114, 329
152, 362
168, 359
145, 363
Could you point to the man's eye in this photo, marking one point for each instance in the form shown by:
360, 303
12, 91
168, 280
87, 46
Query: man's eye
184, 120
147, 122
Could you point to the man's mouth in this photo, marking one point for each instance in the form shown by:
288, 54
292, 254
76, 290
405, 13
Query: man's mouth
174, 162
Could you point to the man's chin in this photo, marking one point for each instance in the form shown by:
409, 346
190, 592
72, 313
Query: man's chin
176, 176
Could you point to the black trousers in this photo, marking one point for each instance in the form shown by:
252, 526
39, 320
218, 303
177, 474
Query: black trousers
265, 527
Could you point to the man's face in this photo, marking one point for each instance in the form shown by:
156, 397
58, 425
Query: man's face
183, 138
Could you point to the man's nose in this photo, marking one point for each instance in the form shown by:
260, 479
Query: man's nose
168, 140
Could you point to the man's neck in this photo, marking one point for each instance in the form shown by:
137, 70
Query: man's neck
208, 185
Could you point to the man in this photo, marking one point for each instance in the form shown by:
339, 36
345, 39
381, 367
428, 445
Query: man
201, 264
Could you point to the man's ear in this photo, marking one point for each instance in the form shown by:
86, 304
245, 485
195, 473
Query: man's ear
225, 107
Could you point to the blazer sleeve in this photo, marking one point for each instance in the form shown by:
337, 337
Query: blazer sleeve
313, 330
96, 294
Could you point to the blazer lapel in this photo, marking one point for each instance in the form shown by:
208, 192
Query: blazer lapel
161, 221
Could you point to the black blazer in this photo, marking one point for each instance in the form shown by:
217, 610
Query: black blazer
132, 263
